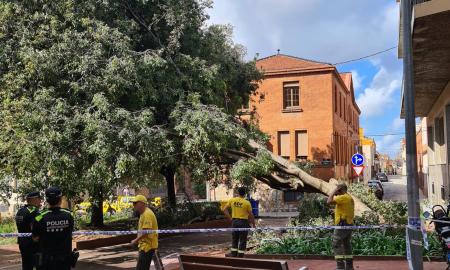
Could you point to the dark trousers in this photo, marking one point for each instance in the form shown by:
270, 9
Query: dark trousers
27, 253
145, 259
239, 243
342, 244
59, 262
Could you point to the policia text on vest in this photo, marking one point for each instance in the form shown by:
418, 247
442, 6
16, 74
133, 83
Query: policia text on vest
52, 230
241, 217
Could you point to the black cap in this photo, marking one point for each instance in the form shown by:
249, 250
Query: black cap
53, 193
34, 194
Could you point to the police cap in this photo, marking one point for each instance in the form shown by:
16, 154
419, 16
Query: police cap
53, 193
34, 194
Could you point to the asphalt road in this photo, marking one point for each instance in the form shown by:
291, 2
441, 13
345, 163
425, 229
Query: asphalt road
395, 188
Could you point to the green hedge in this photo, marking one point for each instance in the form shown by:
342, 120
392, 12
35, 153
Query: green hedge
364, 242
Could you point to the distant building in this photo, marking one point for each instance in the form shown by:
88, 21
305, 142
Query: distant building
422, 162
369, 150
403, 156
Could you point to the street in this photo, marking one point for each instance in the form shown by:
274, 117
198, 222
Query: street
395, 189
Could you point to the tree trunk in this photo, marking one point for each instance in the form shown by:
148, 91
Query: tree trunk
169, 175
187, 179
299, 180
97, 210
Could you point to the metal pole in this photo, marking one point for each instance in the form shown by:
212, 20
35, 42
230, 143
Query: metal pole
414, 239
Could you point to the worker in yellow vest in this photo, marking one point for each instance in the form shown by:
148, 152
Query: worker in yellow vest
343, 216
241, 217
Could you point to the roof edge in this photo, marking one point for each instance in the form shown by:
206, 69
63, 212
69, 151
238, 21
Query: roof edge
295, 57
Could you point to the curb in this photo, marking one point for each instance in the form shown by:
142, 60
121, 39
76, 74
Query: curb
326, 257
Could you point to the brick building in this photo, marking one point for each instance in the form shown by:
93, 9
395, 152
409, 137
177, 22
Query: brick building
308, 108
309, 111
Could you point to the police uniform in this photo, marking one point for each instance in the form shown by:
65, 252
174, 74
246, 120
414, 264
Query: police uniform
24, 219
54, 227
240, 209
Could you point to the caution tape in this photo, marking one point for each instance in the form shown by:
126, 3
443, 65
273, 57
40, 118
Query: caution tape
180, 231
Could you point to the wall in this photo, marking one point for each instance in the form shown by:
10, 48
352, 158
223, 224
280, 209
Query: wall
345, 129
438, 168
315, 116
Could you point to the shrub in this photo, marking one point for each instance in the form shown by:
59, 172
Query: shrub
312, 206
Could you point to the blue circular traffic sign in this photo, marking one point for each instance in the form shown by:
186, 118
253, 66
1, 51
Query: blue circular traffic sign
357, 159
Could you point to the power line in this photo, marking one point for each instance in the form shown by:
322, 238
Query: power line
386, 134
364, 57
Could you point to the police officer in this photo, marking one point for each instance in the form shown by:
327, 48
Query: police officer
241, 217
24, 219
53, 228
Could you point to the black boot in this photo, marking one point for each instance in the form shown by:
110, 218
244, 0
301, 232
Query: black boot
232, 254
348, 264
240, 255
340, 264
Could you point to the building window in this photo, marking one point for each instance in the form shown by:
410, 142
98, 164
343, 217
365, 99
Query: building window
284, 144
345, 111
335, 100
432, 187
340, 104
430, 137
291, 96
292, 196
442, 192
301, 143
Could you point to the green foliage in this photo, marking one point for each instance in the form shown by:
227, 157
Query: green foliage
244, 171
392, 212
5, 189
7, 225
90, 100
364, 242
186, 212
311, 207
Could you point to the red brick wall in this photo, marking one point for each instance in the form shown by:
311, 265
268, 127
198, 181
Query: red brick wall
315, 117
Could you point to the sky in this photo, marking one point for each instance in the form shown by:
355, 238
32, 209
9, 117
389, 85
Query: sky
332, 32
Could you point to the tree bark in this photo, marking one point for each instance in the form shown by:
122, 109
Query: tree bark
97, 210
169, 175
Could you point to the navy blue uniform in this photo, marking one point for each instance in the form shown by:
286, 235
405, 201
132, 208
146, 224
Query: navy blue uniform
24, 219
54, 228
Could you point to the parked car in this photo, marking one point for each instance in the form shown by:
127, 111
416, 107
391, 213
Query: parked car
377, 188
382, 177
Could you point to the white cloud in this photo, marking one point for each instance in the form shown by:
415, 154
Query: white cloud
391, 143
330, 31
398, 124
357, 80
379, 96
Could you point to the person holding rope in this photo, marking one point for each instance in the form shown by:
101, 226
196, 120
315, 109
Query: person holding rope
24, 220
147, 243
241, 217
343, 216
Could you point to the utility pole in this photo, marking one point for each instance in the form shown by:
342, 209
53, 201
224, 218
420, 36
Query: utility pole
414, 234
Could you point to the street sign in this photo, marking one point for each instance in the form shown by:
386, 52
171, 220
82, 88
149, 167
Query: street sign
357, 159
358, 170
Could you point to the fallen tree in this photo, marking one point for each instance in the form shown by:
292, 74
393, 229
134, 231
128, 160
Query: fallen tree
286, 175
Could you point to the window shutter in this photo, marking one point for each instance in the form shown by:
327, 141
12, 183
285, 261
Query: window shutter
285, 144
302, 143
